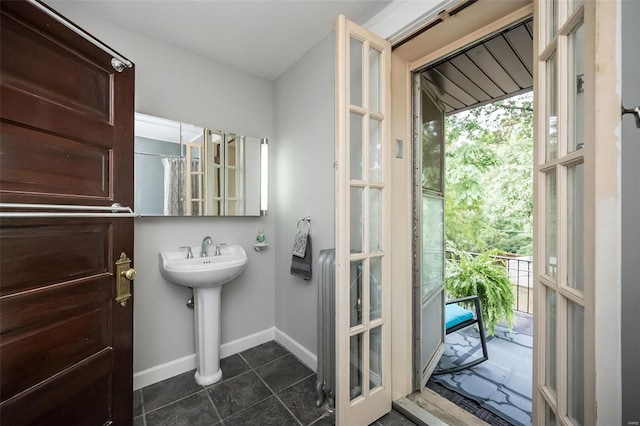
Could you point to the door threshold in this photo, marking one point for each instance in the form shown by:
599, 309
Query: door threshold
427, 408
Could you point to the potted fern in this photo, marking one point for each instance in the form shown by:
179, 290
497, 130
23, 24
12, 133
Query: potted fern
485, 276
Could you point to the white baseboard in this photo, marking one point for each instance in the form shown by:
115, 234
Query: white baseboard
181, 365
247, 342
297, 349
178, 366
163, 371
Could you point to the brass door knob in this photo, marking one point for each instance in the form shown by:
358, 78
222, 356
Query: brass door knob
129, 274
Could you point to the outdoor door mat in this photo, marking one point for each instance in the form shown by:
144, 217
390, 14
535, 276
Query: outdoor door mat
503, 383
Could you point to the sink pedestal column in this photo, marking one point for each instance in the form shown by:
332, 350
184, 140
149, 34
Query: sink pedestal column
207, 324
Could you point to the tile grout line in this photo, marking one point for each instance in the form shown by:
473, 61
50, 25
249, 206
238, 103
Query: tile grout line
144, 412
266, 363
320, 418
278, 398
269, 387
246, 409
214, 405
173, 402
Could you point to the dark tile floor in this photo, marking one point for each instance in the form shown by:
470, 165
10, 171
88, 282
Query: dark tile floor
265, 385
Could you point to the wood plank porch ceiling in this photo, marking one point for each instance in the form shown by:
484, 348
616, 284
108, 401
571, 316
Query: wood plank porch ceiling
496, 68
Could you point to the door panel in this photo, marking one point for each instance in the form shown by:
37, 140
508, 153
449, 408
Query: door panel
67, 138
85, 253
86, 388
64, 166
429, 242
68, 79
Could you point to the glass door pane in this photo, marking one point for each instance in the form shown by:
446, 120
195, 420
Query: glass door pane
552, 109
356, 366
375, 358
375, 219
429, 222
551, 315
575, 362
356, 154
356, 81
432, 136
356, 292
576, 89
357, 220
552, 18
575, 226
551, 224
375, 288
374, 79
432, 245
375, 150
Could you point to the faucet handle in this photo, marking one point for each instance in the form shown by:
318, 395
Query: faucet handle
189, 252
218, 253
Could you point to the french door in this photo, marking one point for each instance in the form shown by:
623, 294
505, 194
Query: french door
577, 217
363, 308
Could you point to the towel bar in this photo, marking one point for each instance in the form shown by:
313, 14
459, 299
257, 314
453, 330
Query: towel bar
83, 211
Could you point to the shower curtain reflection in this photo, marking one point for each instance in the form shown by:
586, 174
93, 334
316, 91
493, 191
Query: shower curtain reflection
173, 185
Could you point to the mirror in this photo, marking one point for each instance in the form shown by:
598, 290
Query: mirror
187, 170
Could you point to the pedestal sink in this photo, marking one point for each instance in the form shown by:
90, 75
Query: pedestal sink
205, 275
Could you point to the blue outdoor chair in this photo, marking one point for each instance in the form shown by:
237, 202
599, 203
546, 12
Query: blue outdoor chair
457, 318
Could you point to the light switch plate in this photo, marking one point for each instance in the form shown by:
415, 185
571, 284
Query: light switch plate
399, 148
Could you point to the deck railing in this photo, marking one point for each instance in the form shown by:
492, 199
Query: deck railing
520, 270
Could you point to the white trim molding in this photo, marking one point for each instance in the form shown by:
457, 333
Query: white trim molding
170, 369
187, 363
293, 346
404, 17
163, 371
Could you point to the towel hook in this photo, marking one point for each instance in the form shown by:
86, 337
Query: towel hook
306, 220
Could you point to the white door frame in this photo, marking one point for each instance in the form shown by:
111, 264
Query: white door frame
403, 64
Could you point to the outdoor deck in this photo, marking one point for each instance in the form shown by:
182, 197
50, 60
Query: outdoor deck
497, 391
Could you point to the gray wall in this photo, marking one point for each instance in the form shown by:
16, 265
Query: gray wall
630, 215
177, 84
304, 177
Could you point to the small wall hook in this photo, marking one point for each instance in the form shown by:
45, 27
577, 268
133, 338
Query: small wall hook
635, 112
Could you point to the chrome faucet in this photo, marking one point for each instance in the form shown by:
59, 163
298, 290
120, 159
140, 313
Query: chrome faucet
206, 240
218, 252
189, 252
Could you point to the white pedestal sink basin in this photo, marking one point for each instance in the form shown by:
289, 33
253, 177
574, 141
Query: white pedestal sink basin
205, 275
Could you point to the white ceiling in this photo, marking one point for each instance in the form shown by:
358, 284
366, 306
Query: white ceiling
262, 37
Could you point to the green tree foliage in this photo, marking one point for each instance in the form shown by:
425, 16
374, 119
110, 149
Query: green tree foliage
489, 192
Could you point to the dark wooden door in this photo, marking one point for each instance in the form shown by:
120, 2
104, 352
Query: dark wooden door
66, 123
